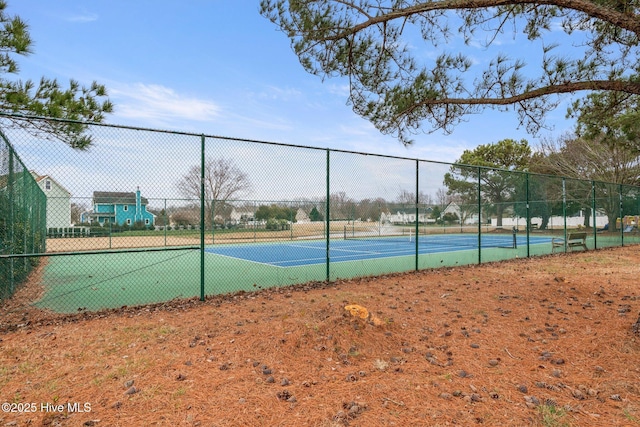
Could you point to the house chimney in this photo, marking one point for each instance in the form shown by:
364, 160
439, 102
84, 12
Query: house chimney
138, 214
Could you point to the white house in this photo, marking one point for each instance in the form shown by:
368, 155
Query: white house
556, 221
58, 201
241, 216
404, 217
454, 208
302, 217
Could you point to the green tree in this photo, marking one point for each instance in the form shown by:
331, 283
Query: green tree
494, 171
20, 100
436, 212
263, 213
277, 224
274, 211
611, 118
315, 215
450, 217
398, 87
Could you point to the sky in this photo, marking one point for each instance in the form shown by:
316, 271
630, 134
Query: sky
217, 67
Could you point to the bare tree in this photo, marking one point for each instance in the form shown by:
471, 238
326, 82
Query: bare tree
406, 197
592, 159
223, 181
341, 206
442, 198
76, 212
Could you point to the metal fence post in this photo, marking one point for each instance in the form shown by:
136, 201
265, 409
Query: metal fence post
479, 216
213, 220
202, 215
10, 190
28, 220
528, 225
564, 210
417, 228
621, 211
327, 212
593, 211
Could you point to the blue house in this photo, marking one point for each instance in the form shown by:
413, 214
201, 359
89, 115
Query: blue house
119, 208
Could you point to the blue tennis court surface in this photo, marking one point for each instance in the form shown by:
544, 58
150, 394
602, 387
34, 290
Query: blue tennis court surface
298, 253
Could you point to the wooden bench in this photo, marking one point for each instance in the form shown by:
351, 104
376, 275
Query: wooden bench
575, 239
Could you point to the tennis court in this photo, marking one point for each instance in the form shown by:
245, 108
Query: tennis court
358, 248
109, 280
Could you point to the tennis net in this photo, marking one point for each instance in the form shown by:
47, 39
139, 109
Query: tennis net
467, 237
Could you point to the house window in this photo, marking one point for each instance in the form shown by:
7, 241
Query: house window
128, 222
126, 208
146, 221
47, 185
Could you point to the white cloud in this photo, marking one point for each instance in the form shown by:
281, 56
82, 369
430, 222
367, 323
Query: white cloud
82, 18
341, 90
159, 103
277, 93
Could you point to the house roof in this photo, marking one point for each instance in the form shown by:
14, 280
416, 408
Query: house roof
39, 178
116, 198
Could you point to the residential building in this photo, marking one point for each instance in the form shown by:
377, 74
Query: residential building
119, 208
58, 201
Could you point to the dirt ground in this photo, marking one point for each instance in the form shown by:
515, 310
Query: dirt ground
549, 341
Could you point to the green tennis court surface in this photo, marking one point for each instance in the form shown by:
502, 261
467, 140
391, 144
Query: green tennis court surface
111, 280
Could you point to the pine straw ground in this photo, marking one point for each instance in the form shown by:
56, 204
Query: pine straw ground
548, 341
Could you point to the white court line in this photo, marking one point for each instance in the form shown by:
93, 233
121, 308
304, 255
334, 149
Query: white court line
302, 262
324, 248
244, 259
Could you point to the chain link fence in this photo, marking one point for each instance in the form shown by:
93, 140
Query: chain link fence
22, 220
146, 216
